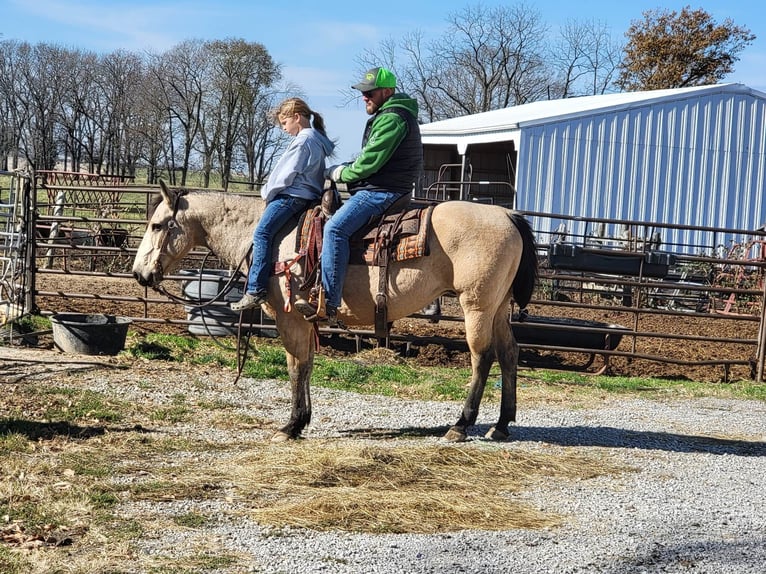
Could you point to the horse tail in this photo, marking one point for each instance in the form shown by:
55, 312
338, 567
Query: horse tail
526, 275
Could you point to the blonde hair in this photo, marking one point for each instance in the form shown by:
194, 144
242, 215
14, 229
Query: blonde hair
292, 106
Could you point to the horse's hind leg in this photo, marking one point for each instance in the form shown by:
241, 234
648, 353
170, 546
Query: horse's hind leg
478, 333
507, 352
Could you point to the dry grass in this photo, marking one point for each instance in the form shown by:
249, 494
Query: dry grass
60, 498
379, 356
417, 489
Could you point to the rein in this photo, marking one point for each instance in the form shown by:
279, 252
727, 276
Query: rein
195, 303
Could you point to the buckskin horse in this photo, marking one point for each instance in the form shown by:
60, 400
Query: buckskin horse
483, 254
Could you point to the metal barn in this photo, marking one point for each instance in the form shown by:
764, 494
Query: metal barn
690, 156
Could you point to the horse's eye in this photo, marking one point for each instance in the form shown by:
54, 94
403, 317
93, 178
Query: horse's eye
156, 226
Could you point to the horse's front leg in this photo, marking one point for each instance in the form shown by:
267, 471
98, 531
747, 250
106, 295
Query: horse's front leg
300, 415
298, 339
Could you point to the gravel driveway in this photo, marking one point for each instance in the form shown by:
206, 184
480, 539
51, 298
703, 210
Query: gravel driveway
694, 501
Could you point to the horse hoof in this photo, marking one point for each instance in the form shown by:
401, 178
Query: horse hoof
455, 436
495, 434
280, 436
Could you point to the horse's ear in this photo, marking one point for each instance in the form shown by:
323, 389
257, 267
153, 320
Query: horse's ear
167, 195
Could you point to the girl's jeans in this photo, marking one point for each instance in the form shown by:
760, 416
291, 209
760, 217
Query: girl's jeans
277, 213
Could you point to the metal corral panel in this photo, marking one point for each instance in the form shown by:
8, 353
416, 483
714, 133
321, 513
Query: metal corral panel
696, 160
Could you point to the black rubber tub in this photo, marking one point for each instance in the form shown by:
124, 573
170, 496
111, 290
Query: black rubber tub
89, 334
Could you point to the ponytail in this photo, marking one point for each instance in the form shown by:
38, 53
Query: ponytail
317, 122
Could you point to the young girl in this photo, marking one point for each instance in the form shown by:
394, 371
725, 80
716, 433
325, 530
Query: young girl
295, 182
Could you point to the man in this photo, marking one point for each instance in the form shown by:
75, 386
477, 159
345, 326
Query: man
387, 168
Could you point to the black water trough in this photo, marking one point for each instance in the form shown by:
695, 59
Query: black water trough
85, 334
567, 332
610, 261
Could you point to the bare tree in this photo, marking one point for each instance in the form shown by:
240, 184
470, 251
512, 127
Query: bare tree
182, 73
259, 139
150, 135
585, 58
203, 102
79, 133
120, 73
42, 81
239, 72
668, 49
488, 58
11, 118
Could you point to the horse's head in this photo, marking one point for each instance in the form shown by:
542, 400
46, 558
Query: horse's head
166, 241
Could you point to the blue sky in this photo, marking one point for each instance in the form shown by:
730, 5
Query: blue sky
317, 43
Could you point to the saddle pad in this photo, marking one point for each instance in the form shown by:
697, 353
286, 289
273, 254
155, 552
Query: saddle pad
305, 222
409, 239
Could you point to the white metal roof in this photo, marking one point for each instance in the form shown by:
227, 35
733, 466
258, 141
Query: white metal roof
504, 124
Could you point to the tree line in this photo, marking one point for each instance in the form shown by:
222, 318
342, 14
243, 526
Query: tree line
206, 105
202, 105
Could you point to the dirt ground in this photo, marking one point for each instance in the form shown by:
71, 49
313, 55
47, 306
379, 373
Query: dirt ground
448, 347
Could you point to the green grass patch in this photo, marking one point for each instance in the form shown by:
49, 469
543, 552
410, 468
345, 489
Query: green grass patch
376, 372
640, 386
266, 362
70, 405
86, 464
32, 323
159, 346
197, 564
178, 411
191, 520
171, 414
401, 380
102, 498
12, 442
12, 562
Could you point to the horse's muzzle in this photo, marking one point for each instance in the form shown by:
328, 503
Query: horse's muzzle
149, 280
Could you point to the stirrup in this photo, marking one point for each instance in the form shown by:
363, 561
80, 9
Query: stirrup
305, 308
313, 314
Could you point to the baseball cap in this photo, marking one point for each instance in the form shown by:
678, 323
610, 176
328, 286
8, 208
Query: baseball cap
376, 78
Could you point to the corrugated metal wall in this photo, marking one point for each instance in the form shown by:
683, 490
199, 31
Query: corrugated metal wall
698, 161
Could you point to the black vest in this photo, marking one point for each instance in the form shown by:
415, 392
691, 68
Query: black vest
403, 169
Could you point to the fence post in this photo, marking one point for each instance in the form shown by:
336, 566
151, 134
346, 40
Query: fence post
30, 221
759, 354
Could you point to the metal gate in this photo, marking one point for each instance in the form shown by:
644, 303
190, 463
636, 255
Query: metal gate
87, 227
15, 248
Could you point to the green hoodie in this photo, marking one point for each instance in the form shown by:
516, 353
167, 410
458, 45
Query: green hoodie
392, 151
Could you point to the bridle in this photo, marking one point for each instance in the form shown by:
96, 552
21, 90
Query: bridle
157, 264
169, 227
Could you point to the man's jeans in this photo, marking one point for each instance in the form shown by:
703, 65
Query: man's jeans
277, 213
355, 212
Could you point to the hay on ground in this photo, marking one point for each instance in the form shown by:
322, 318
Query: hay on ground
418, 489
